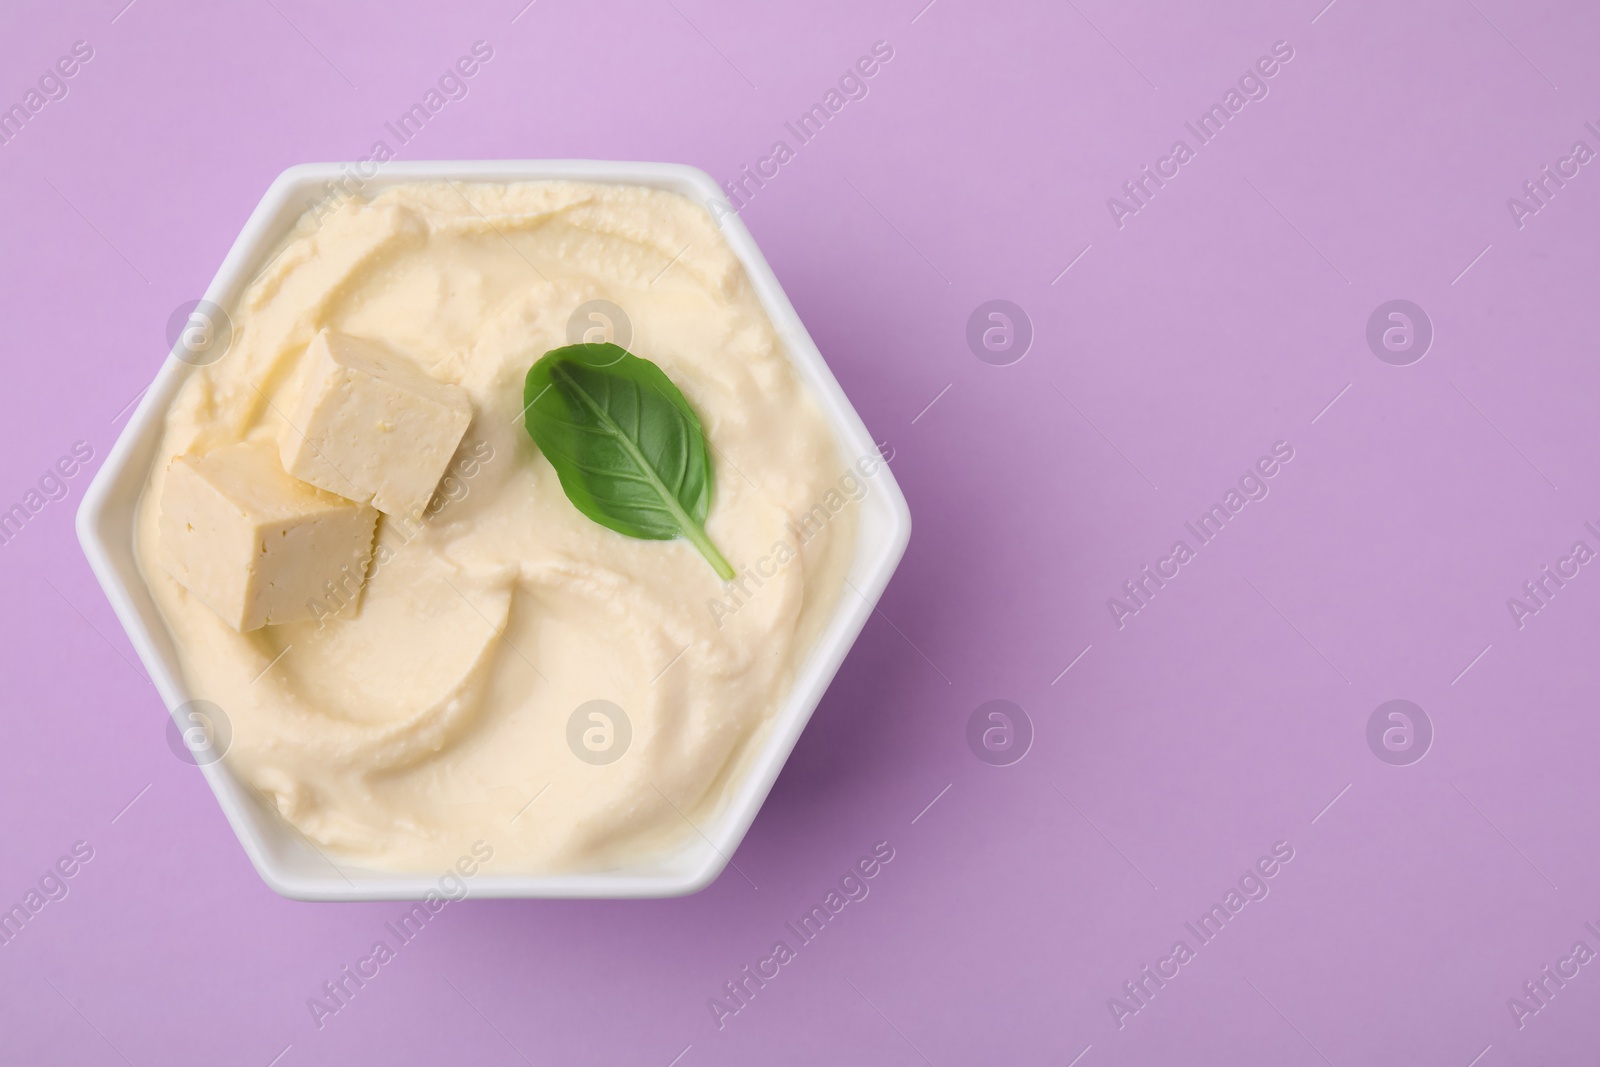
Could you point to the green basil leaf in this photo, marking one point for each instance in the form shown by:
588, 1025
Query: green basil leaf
628, 448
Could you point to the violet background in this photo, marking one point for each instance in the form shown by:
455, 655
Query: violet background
1222, 318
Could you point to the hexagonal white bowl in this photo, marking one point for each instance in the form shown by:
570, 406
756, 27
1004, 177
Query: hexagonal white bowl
282, 857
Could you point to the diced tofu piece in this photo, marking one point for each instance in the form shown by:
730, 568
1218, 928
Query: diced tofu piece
255, 545
370, 425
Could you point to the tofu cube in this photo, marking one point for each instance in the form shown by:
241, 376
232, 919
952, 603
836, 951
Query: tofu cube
371, 425
257, 546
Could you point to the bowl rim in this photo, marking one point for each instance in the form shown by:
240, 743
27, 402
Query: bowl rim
99, 532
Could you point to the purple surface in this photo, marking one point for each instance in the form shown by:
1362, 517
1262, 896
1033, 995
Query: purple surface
1227, 715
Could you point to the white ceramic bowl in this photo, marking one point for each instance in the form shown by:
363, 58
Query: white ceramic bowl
284, 859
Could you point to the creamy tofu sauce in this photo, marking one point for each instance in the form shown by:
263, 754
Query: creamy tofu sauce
397, 730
